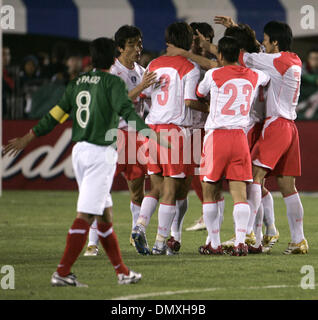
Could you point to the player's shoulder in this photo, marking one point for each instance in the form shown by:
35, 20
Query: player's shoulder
285, 60
175, 62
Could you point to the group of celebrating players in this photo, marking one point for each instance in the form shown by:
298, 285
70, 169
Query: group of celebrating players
215, 112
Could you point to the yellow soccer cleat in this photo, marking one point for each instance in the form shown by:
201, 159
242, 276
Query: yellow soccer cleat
297, 248
91, 251
229, 244
269, 241
198, 225
250, 239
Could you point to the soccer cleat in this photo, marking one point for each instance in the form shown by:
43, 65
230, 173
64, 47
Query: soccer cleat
139, 237
159, 248
131, 241
69, 280
91, 251
132, 277
255, 250
229, 244
297, 248
173, 246
198, 225
250, 239
202, 249
240, 250
269, 241
208, 250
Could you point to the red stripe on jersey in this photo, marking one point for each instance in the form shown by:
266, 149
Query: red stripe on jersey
181, 64
199, 94
224, 74
285, 61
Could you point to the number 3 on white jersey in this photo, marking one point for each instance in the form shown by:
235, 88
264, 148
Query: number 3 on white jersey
83, 99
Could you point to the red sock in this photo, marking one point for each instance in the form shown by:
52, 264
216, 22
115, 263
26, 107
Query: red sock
75, 241
196, 185
108, 239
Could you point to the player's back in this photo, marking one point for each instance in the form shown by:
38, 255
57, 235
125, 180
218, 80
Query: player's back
91, 97
232, 89
178, 78
284, 69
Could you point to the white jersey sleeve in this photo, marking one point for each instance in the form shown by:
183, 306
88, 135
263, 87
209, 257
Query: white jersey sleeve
191, 82
205, 85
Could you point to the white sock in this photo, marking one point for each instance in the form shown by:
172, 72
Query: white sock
147, 209
93, 236
166, 215
254, 197
241, 215
135, 210
259, 226
207, 240
269, 216
176, 227
295, 215
221, 212
212, 222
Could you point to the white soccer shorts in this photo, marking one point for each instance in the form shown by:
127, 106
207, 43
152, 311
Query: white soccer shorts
94, 168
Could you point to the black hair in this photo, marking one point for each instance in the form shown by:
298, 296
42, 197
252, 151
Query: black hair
229, 48
126, 32
280, 32
245, 37
203, 28
102, 51
180, 35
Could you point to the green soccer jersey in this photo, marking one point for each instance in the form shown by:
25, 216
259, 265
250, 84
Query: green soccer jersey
96, 100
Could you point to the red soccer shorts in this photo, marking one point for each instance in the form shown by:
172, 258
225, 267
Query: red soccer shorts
175, 162
132, 155
254, 133
278, 147
226, 153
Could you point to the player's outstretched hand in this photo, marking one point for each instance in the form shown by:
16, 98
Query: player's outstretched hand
174, 51
148, 79
225, 21
17, 144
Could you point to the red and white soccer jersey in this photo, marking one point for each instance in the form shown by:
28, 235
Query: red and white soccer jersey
284, 69
278, 146
131, 160
225, 152
177, 81
132, 78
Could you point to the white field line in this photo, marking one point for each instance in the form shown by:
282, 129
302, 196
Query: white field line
171, 293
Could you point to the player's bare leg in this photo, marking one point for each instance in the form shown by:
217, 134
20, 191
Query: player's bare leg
295, 215
148, 207
174, 242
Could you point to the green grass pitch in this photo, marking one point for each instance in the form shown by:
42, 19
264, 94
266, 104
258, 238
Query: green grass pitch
33, 228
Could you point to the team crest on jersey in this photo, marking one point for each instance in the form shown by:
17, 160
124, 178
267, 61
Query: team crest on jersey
133, 79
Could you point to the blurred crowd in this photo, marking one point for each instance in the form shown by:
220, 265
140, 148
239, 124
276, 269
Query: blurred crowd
31, 89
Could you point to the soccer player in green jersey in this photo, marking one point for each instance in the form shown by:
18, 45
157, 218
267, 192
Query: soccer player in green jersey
96, 100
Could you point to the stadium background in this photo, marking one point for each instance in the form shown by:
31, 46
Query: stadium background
41, 25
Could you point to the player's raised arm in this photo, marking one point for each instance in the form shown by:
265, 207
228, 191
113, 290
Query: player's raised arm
225, 21
204, 62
